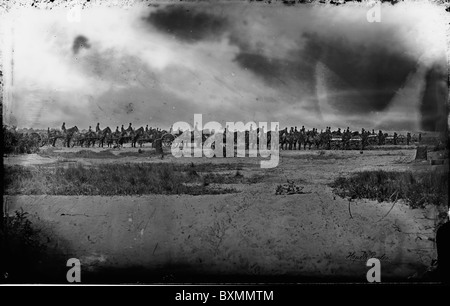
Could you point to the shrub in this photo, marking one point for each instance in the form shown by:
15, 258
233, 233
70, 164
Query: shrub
19, 143
417, 189
106, 179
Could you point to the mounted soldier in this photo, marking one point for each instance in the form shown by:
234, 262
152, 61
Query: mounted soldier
130, 128
408, 138
63, 127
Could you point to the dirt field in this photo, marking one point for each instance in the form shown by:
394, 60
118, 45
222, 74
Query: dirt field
253, 234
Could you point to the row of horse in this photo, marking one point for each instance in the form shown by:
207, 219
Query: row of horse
333, 140
288, 141
74, 137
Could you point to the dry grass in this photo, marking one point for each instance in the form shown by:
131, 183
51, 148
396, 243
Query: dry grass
417, 189
107, 180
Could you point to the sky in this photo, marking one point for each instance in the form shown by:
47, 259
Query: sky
311, 65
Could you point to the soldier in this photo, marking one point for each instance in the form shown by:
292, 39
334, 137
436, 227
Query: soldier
252, 137
122, 129
159, 147
263, 136
408, 138
303, 129
395, 138
420, 137
146, 128
63, 127
97, 128
117, 129
346, 137
90, 129
364, 135
130, 128
380, 138
291, 137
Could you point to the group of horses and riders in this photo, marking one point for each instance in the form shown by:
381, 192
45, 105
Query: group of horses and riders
73, 136
338, 139
291, 139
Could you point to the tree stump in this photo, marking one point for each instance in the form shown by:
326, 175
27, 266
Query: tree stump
421, 153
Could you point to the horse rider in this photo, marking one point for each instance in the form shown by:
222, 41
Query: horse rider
395, 138
130, 128
117, 130
90, 129
63, 127
122, 129
146, 128
408, 138
97, 128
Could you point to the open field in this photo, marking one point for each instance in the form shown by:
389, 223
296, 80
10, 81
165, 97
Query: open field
221, 220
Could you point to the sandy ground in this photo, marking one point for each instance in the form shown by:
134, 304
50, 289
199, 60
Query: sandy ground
250, 233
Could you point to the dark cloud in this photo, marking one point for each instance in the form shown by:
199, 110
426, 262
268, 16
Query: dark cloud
371, 75
291, 74
276, 71
187, 23
373, 71
80, 42
434, 108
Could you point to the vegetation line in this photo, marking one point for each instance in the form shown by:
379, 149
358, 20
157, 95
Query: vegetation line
417, 189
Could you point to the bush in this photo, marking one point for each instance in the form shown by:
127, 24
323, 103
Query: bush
19, 143
107, 179
22, 249
417, 189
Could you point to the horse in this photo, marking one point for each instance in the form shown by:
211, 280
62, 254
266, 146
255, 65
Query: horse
112, 138
310, 139
81, 139
102, 134
136, 135
53, 135
283, 139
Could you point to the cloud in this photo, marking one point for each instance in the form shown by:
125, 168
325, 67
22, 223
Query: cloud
315, 66
80, 42
187, 23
